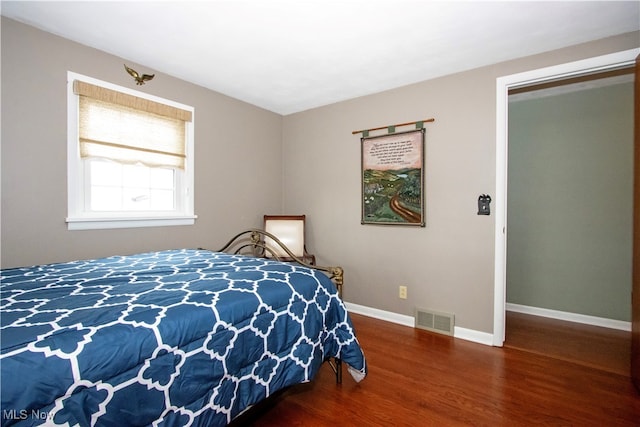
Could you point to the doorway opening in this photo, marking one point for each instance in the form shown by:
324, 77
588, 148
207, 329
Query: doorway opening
570, 204
547, 76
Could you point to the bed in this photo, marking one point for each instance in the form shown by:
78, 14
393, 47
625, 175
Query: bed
169, 338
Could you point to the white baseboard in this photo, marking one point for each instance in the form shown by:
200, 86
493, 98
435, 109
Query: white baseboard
473, 335
388, 316
402, 319
570, 317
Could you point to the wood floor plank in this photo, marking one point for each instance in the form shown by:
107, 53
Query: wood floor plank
418, 378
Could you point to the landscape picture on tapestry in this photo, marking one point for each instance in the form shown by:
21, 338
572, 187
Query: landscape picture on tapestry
393, 178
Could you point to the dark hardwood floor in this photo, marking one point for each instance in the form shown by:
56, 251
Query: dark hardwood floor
418, 378
593, 346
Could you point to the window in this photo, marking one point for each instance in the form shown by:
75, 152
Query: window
130, 157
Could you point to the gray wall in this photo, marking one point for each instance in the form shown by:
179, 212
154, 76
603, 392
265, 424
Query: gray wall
250, 162
449, 264
238, 155
570, 202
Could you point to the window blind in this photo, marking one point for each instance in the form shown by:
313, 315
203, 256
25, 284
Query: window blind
129, 129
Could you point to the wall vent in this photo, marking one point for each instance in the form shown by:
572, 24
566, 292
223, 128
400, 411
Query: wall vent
434, 321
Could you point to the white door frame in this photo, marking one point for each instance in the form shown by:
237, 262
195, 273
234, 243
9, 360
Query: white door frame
503, 84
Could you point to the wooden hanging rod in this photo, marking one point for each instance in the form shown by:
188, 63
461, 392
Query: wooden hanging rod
399, 124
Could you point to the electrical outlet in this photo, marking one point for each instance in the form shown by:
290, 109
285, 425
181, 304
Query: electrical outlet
402, 292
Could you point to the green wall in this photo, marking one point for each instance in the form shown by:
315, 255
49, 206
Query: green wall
570, 207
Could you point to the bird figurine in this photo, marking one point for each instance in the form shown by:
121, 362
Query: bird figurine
140, 79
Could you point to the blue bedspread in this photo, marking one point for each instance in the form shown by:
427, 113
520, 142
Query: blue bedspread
171, 338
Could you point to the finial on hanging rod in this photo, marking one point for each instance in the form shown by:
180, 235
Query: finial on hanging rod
399, 124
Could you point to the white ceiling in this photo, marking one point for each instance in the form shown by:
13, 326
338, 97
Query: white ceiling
292, 55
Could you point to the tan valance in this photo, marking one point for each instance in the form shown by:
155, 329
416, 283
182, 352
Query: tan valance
131, 101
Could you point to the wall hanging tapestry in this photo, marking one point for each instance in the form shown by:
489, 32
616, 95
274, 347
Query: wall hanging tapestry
393, 178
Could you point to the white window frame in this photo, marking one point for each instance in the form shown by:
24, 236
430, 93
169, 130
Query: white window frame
80, 219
